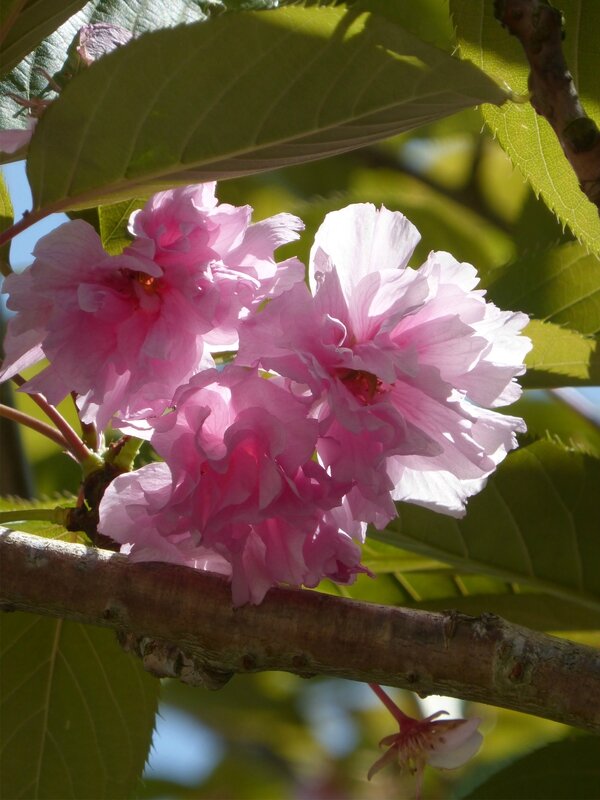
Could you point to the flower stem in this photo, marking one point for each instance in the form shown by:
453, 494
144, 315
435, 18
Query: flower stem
122, 454
35, 424
57, 515
387, 701
71, 440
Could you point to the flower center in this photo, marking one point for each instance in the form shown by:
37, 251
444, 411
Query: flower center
363, 385
147, 282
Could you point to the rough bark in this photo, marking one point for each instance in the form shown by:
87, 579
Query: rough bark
181, 622
538, 26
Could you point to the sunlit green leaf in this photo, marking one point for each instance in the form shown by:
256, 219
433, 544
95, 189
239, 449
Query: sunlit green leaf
560, 357
427, 19
527, 138
566, 770
47, 528
560, 285
280, 87
77, 712
536, 523
113, 224
6, 220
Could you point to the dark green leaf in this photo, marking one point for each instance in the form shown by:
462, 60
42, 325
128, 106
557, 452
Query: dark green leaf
414, 581
536, 523
567, 770
36, 19
77, 712
561, 285
539, 611
9, 11
279, 87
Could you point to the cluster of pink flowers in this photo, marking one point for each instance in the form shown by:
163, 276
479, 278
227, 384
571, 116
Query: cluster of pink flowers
372, 386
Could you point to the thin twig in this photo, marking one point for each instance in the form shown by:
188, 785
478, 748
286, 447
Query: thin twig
73, 442
34, 424
182, 623
29, 219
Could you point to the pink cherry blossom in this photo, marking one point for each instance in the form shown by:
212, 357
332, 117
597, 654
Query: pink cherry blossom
239, 494
113, 328
446, 744
125, 331
14, 139
96, 40
188, 230
399, 363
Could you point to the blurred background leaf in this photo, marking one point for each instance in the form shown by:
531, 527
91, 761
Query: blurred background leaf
567, 770
77, 712
536, 523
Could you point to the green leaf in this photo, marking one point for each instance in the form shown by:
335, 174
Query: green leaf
533, 610
113, 224
536, 523
41, 527
527, 138
560, 357
9, 11
560, 285
77, 712
36, 19
556, 416
428, 19
28, 79
412, 580
277, 87
7, 216
565, 770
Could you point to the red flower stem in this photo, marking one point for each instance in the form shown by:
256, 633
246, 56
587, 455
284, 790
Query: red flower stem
70, 438
387, 701
89, 432
35, 424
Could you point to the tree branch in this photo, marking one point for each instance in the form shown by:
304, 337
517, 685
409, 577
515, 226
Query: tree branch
538, 26
181, 622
